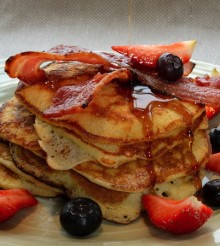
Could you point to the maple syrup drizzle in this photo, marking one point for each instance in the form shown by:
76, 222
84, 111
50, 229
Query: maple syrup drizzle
145, 100
141, 100
130, 21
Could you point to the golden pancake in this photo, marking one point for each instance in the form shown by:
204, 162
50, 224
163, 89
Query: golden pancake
120, 207
101, 178
131, 176
55, 139
184, 159
108, 155
10, 180
134, 176
115, 113
11, 177
16, 125
34, 166
62, 154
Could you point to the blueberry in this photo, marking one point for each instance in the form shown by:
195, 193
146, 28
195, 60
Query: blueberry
215, 139
81, 216
211, 193
170, 67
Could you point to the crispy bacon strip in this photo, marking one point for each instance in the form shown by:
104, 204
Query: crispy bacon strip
116, 59
194, 90
74, 98
26, 66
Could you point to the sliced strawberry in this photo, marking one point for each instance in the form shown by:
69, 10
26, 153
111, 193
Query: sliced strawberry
214, 163
14, 200
211, 112
178, 217
148, 54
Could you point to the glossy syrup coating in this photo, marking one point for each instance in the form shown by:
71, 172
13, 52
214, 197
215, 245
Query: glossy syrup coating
81, 216
170, 67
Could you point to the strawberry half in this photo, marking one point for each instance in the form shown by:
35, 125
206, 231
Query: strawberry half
178, 217
149, 54
14, 200
213, 163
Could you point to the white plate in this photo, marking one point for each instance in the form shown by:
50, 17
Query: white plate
40, 225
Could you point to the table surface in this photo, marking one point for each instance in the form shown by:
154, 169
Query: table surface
99, 24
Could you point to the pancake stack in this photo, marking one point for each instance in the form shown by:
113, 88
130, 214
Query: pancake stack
127, 141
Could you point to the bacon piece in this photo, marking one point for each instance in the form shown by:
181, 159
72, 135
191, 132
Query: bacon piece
74, 98
208, 81
185, 88
116, 59
119, 60
67, 49
26, 66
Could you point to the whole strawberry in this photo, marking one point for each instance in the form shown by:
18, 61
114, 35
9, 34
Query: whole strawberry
178, 217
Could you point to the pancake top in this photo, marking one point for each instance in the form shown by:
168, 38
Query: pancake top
118, 112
